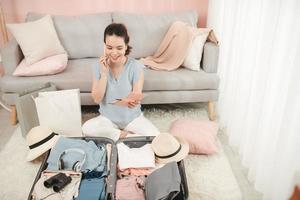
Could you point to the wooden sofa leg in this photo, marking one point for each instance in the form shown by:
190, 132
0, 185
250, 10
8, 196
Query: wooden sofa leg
211, 111
13, 115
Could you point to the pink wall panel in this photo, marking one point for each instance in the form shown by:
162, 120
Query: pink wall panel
16, 10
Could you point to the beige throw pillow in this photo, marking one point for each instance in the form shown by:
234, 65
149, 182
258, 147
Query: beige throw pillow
37, 39
194, 55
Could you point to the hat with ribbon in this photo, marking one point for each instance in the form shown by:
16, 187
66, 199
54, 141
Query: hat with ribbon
169, 148
39, 140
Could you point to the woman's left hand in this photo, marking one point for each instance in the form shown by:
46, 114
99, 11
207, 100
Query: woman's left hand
127, 103
132, 104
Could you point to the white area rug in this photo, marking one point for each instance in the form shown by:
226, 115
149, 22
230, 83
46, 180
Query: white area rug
209, 177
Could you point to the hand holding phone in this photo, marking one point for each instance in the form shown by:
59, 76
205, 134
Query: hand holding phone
104, 63
104, 67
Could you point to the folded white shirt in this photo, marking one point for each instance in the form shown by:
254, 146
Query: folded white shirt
142, 157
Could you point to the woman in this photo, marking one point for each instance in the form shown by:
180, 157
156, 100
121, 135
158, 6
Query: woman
115, 77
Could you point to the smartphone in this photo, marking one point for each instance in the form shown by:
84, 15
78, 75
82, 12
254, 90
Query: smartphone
104, 53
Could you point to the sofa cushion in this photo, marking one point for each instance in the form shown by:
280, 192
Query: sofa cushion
147, 31
180, 79
78, 74
82, 35
11, 56
210, 57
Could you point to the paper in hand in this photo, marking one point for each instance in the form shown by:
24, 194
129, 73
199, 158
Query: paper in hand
131, 97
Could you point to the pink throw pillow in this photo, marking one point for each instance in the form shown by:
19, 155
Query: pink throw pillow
200, 134
47, 66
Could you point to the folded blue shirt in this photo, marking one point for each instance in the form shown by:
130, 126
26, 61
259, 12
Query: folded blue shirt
95, 155
92, 189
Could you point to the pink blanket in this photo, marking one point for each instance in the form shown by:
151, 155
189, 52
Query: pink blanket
174, 47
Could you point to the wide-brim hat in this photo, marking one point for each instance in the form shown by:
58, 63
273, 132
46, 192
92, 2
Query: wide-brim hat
39, 140
169, 148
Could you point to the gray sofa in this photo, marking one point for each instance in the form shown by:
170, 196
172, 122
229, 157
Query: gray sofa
82, 38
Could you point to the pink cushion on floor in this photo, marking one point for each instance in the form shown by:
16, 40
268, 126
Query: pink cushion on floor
200, 134
50, 65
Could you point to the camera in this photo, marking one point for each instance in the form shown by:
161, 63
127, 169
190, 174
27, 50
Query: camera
58, 181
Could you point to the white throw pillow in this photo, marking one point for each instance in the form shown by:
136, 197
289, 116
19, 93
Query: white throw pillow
37, 39
194, 55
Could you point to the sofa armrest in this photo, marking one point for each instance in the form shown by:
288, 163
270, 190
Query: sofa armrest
11, 55
210, 57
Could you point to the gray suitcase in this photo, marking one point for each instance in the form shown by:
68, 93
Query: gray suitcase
133, 142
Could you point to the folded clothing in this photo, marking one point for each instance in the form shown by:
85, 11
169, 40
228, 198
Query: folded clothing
92, 188
95, 155
130, 188
142, 157
163, 182
138, 171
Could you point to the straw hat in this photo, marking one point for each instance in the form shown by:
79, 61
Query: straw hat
39, 140
169, 148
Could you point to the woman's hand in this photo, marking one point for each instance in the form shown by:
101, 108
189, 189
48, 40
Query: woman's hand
132, 104
127, 103
104, 65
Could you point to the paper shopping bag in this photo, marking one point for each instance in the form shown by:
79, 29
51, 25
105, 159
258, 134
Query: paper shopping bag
60, 111
26, 109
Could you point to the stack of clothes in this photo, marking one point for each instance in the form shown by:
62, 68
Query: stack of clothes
145, 174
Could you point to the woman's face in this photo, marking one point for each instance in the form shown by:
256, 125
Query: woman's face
115, 48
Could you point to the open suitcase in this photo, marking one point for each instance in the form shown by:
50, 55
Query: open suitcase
111, 180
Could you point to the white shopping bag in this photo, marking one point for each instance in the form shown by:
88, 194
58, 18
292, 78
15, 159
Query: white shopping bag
60, 111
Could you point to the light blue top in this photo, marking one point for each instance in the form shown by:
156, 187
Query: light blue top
118, 89
95, 156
